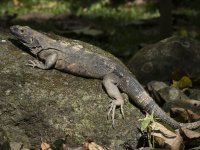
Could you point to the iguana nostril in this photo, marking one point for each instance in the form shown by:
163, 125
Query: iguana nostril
12, 28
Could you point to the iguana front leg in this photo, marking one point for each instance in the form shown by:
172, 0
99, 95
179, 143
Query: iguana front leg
110, 82
49, 62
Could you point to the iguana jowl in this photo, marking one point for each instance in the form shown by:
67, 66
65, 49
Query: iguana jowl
89, 61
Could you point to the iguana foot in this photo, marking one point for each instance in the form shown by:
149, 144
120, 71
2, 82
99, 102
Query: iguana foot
34, 63
39, 64
112, 108
110, 82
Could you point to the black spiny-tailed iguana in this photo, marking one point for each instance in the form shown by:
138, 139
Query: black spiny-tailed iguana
89, 61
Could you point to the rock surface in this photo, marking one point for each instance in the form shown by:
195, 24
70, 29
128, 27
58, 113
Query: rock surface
158, 61
170, 97
49, 104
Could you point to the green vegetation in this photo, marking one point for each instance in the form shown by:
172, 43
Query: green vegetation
119, 13
119, 28
146, 125
117, 21
119, 38
50, 6
95, 9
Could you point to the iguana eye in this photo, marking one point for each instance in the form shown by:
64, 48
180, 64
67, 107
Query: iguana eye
21, 31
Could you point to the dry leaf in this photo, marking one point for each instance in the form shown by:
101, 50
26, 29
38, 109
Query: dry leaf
184, 82
189, 133
166, 138
92, 146
193, 116
45, 146
186, 114
193, 102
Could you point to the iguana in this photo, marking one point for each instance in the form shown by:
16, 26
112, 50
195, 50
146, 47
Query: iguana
89, 61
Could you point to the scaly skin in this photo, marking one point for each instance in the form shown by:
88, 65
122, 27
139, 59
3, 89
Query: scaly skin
86, 60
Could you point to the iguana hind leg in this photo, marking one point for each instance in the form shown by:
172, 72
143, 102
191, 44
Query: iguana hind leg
110, 82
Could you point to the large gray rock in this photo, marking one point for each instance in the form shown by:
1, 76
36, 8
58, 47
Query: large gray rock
158, 61
50, 104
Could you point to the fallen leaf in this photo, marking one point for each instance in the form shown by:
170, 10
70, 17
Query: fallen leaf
45, 146
189, 133
193, 116
186, 114
89, 145
184, 82
166, 138
193, 102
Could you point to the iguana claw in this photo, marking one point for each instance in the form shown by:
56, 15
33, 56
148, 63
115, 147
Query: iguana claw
32, 63
112, 108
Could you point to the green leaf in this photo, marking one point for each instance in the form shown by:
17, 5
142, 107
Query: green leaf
146, 122
184, 82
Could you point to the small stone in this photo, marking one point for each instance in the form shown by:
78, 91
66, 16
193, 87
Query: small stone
8, 92
3, 41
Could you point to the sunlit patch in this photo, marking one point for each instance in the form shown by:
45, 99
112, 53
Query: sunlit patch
65, 43
77, 47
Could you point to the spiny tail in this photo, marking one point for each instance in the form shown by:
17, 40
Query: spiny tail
142, 99
152, 107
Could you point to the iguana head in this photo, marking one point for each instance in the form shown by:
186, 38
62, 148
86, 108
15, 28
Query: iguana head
36, 41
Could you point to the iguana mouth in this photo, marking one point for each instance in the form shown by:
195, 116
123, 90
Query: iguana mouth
15, 31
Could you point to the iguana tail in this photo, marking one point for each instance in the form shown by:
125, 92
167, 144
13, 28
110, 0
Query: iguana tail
142, 99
